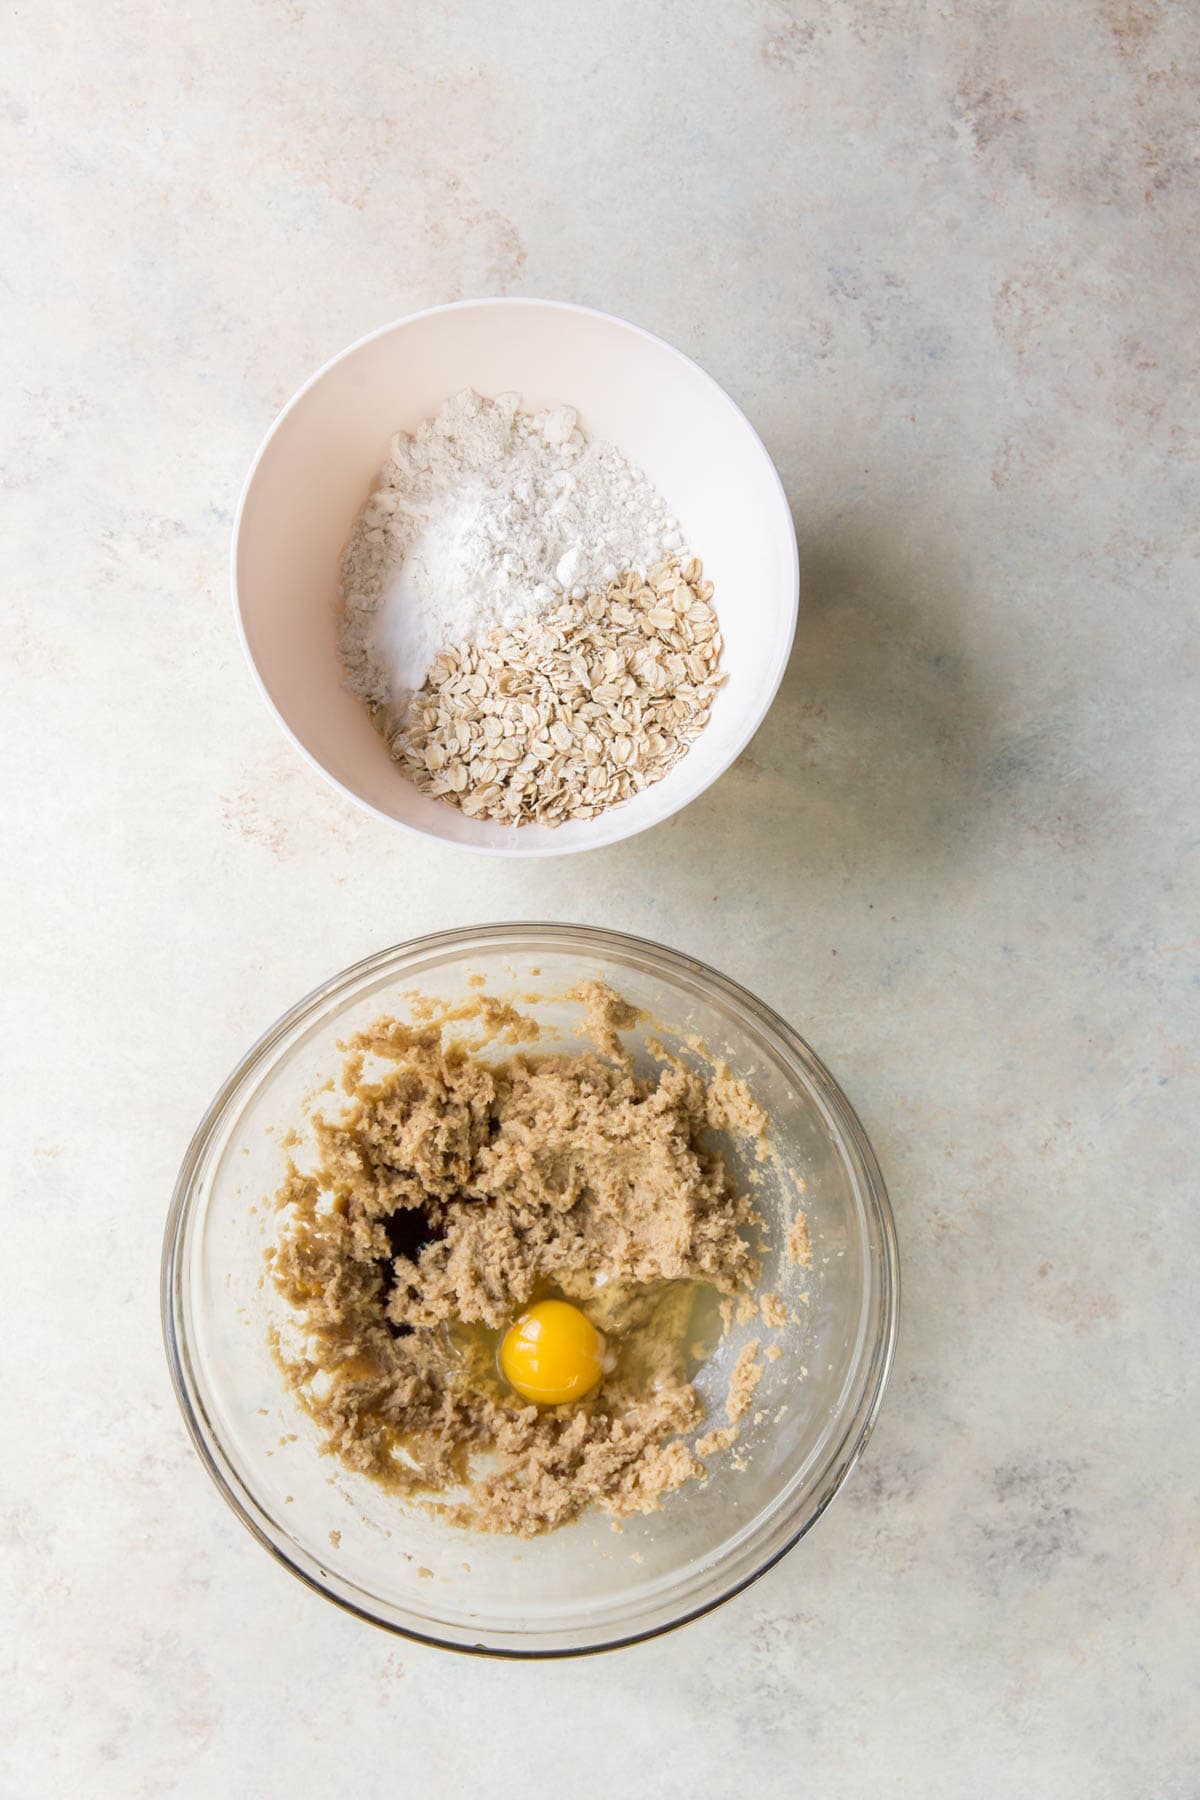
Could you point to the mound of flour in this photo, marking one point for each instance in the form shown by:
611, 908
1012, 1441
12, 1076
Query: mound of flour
486, 514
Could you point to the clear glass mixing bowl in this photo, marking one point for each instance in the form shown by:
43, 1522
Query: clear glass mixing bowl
584, 1587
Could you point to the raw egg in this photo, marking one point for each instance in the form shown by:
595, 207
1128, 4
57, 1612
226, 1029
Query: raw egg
552, 1353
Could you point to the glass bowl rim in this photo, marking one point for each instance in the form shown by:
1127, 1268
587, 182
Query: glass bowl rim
885, 1263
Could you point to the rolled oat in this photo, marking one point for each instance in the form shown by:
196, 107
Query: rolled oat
561, 715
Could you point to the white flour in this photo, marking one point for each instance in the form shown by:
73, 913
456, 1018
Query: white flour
485, 515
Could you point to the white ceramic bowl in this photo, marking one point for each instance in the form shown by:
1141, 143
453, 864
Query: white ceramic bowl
320, 460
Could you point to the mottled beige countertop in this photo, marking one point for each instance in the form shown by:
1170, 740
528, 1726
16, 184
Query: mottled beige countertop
947, 258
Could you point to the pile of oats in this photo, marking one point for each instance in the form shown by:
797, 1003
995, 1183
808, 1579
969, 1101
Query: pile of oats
559, 716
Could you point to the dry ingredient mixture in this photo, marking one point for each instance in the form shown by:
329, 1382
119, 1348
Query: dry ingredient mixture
558, 717
508, 546
452, 1191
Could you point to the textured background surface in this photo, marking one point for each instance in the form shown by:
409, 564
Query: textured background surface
946, 257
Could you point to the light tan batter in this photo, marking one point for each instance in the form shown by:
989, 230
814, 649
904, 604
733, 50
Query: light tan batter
455, 1190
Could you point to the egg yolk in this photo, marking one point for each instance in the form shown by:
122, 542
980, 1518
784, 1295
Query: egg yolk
552, 1353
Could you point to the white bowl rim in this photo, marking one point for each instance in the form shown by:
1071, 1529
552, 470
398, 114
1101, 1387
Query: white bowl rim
516, 849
